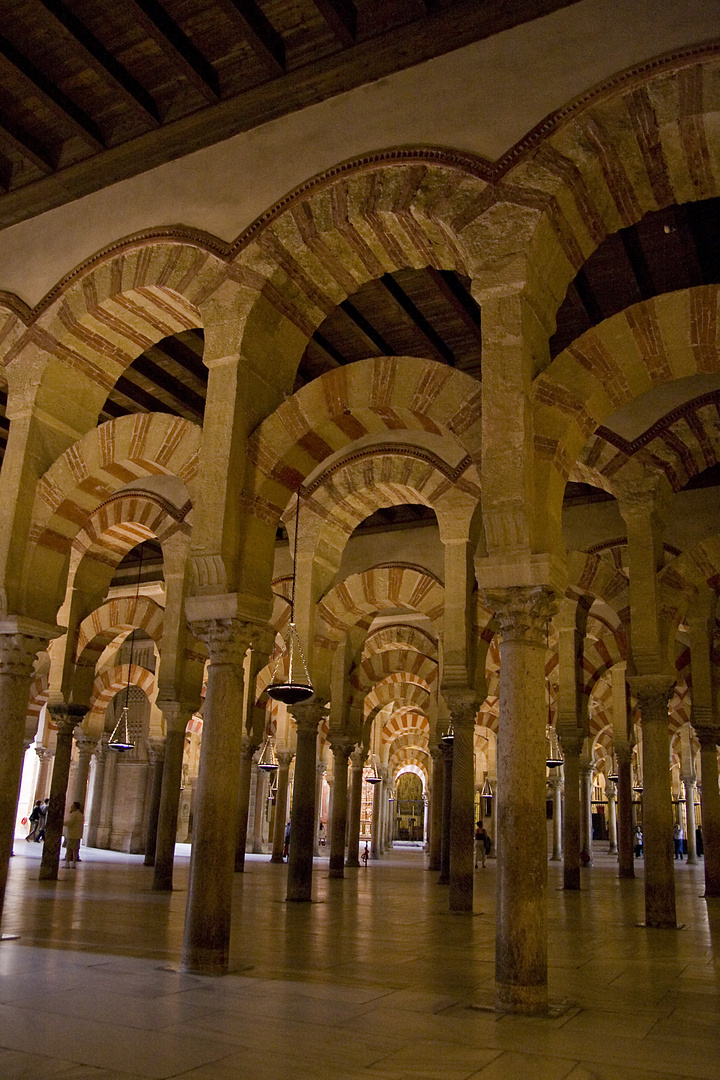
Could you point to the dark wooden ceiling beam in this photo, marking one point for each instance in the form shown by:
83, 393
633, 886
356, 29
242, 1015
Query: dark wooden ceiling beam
455, 293
341, 17
423, 326
177, 47
102, 62
52, 97
12, 137
368, 331
258, 31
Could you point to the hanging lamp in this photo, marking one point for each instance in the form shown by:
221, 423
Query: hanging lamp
487, 791
298, 686
372, 777
120, 738
268, 762
449, 737
613, 774
553, 753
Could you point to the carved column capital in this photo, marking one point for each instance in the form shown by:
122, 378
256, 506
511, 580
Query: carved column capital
462, 705
342, 745
708, 737
653, 694
155, 748
248, 748
308, 715
101, 750
17, 653
85, 743
358, 758
227, 639
285, 758
45, 753
523, 612
67, 717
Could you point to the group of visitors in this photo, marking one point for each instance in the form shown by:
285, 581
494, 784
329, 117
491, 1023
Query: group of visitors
72, 829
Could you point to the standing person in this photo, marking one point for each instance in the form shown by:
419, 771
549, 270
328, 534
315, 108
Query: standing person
34, 820
481, 846
677, 841
286, 846
40, 834
73, 830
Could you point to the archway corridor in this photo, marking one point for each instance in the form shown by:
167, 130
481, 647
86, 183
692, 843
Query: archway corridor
375, 979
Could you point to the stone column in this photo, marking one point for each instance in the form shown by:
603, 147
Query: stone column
653, 693
307, 717
281, 796
17, 656
319, 774
43, 781
177, 716
355, 806
376, 842
557, 791
521, 922
104, 826
689, 784
97, 779
86, 745
462, 800
156, 756
65, 718
626, 858
447, 753
709, 737
586, 780
243, 810
206, 941
436, 796
571, 818
612, 818
259, 814
342, 748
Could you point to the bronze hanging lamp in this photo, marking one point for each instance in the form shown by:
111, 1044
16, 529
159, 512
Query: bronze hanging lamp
372, 777
298, 686
120, 738
268, 762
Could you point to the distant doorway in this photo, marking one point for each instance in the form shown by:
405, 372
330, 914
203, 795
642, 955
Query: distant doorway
409, 809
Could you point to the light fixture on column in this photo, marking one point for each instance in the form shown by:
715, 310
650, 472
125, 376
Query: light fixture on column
637, 779
613, 774
297, 687
449, 737
487, 791
268, 762
553, 753
120, 738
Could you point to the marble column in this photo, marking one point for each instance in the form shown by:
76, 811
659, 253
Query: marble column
65, 718
436, 796
446, 748
243, 810
357, 759
281, 797
626, 857
156, 756
652, 693
572, 746
521, 920
342, 748
319, 774
689, 785
42, 786
86, 745
709, 737
586, 786
259, 812
376, 827
307, 717
177, 716
17, 656
206, 943
107, 803
462, 799
612, 817
556, 785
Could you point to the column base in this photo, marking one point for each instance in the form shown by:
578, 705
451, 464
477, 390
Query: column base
336, 872
204, 962
571, 878
276, 859
527, 1000
352, 863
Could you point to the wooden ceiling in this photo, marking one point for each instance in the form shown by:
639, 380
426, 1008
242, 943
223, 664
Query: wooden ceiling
92, 91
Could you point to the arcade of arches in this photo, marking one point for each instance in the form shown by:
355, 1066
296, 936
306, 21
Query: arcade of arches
494, 388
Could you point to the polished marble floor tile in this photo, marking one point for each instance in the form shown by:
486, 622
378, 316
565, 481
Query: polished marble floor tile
375, 979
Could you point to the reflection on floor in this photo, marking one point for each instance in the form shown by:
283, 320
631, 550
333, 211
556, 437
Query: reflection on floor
374, 980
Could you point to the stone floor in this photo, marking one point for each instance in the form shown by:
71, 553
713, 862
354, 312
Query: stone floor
374, 980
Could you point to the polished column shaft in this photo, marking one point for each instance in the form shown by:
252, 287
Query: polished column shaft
302, 822
66, 718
